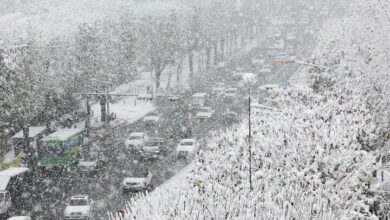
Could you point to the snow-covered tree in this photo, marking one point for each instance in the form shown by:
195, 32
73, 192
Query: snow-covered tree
23, 89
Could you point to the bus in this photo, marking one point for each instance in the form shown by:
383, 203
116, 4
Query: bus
61, 148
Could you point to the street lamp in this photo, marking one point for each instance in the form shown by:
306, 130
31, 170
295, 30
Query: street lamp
248, 78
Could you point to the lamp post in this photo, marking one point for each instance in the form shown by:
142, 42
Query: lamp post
248, 78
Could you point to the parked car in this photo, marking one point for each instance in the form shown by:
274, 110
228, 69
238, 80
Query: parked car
90, 164
153, 148
79, 207
137, 182
187, 148
204, 113
135, 140
151, 117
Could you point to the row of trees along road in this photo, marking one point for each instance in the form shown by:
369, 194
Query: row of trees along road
39, 78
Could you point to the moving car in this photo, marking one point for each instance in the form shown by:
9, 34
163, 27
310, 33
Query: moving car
151, 117
204, 113
137, 182
187, 148
79, 207
135, 140
198, 100
230, 93
153, 148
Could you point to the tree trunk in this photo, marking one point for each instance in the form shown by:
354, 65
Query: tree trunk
251, 32
216, 57
242, 38
235, 38
230, 43
28, 158
26, 139
169, 78
208, 56
103, 105
158, 75
191, 63
200, 54
222, 49
179, 69
87, 120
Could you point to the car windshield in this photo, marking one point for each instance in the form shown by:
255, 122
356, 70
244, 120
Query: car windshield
152, 143
187, 143
135, 138
78, 202
231, 91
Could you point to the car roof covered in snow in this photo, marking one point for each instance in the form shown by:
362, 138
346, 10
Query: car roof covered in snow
188, 140
201, 94
137, 134
79, 197
63, 134
13, 171
32, 133
6, 175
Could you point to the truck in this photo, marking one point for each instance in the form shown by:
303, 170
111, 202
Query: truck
15, 186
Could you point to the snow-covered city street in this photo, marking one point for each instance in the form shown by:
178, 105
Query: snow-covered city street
206, 109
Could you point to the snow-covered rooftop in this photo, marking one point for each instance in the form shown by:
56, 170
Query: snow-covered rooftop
63, 134
14, 171
6, 175
33, 132
20, 218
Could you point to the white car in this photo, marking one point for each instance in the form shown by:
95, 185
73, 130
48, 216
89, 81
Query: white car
79, 207
230, 93
135, 140
20, 218
139, 181
204, 113
187, 148
152, 117
153, 148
